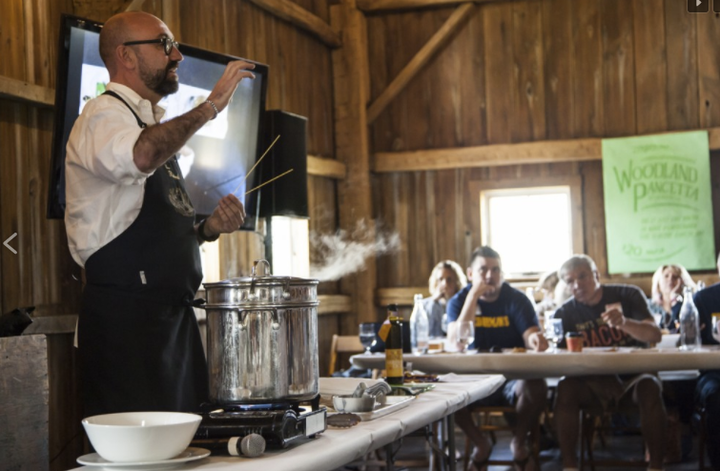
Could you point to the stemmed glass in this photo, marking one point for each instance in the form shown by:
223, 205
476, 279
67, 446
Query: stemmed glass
465, 335
367, 335
553, 332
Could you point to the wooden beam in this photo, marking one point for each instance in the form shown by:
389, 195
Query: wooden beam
400, 296
52, 325
18, 90
131, 5
571, 150
298, 16
334, 304
321, 167
351, 79
436, 42
379, 5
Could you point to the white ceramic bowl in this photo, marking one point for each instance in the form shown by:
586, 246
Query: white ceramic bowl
141, 436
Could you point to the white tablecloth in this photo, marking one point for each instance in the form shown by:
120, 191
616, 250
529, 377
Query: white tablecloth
547, 364
336, 447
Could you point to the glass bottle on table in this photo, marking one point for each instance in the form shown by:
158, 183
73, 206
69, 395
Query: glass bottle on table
391, 333
419, 328
689, 322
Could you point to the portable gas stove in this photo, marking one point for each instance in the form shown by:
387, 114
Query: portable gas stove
279, 423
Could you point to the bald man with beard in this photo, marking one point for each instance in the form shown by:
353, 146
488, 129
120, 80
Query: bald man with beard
131, 225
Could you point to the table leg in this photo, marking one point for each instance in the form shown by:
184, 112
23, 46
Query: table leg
450, 419
389, 457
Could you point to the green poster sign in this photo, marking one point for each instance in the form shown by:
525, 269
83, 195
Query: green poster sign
657, 202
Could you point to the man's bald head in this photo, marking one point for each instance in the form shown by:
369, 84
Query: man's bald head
124, 27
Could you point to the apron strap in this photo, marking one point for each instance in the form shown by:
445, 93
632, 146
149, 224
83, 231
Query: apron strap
140, 122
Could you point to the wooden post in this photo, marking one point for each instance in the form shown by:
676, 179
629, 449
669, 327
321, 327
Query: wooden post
351, 93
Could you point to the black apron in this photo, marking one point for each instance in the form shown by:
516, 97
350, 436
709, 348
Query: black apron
139, 342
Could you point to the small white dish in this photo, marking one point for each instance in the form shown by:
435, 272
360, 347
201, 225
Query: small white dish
190, 454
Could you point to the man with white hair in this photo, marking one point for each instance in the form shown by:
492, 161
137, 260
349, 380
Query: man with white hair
607, 315
707, 391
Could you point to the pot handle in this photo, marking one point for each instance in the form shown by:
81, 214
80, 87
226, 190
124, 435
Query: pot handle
242, 313
255, 268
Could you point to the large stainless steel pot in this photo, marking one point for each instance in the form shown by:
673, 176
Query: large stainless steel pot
262, 341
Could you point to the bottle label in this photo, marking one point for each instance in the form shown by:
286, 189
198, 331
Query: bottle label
393, 362
384, 331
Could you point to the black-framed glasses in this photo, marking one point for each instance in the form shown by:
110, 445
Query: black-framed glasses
167, 43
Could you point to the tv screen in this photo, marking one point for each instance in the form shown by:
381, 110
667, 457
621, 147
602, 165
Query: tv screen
214, 162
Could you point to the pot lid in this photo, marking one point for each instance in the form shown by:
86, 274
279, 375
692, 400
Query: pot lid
261, 276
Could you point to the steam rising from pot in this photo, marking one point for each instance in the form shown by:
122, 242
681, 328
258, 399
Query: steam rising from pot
344, 253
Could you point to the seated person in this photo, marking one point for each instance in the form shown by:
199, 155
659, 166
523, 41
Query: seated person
504, 318
668, 283
546, 285
707, 392
445, 281
607, 315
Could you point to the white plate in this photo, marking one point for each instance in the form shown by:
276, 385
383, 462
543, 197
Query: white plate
190, 454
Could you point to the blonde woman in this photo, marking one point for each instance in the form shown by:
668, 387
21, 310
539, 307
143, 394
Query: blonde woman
667, 285
446, 279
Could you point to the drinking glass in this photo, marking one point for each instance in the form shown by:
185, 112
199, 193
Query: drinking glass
367, 335
465, 335
716, 327
554, 332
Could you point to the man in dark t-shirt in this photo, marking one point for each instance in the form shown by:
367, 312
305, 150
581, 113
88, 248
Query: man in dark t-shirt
707, 391
607, 315
504, 318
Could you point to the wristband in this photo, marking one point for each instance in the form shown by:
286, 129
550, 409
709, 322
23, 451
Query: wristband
213, 107
201, 233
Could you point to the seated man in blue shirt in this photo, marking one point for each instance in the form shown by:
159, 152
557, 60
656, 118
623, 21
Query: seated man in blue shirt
504, 318
607, 315
707, 391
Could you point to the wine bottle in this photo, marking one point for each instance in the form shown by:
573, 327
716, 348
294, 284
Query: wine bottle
392, 331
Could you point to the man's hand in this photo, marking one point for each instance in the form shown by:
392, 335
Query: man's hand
227, 217
231, 77
480, 288
613, 316
536, 341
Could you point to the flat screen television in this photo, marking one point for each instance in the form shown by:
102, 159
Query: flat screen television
214, 161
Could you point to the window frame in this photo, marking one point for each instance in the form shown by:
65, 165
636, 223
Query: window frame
573, 182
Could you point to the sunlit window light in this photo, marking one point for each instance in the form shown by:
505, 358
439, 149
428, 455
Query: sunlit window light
290, 247
531, 228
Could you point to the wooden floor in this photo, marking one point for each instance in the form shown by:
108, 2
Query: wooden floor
617, 446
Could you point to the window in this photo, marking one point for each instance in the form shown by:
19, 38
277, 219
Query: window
534, 228
290, 247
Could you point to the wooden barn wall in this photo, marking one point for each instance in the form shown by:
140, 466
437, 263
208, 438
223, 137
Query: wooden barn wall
42, 273
529, 71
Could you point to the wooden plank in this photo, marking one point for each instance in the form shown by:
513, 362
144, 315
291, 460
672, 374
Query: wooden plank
651, 66
301, 18
321, 167
559, 70
438, 40
529, 113
334, 304
24, 394
19, 90
380, 5
64, 324
594, 215
500, 73
618, 58
468, 86
587, 59
681, 67
399, 296
490, 155
569, 150
708, 35
351, 88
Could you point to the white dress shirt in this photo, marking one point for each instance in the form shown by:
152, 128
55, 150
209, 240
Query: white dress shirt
103, 186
